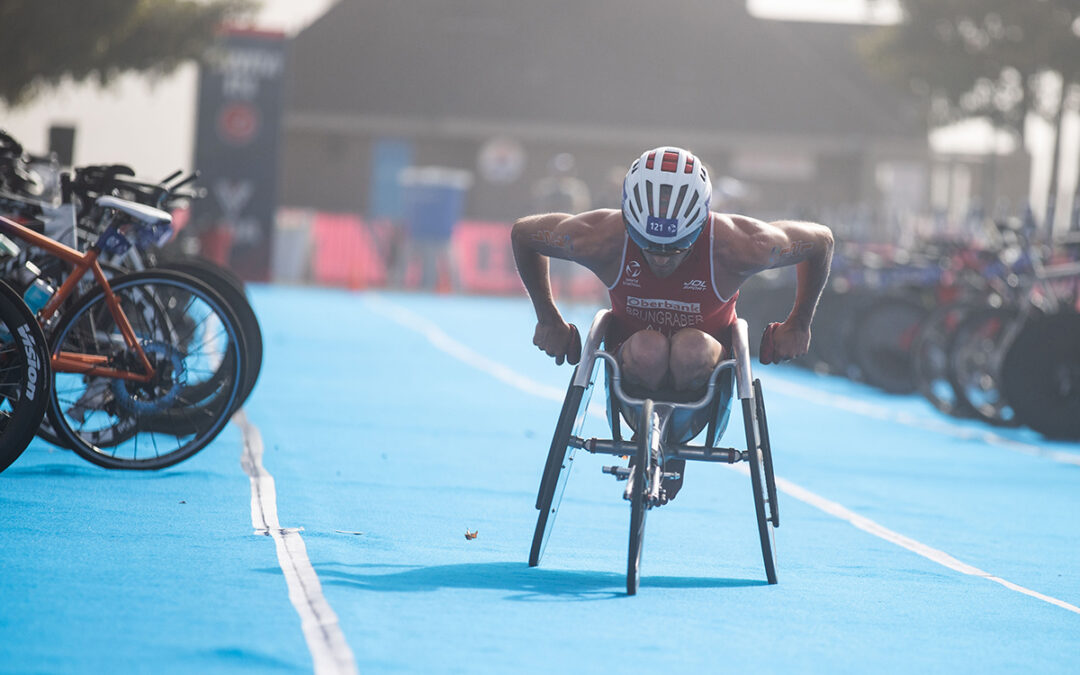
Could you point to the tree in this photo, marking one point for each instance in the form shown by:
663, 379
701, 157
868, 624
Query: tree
984, 58
45, 41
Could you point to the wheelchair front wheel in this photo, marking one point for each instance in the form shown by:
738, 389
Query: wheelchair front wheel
639, 506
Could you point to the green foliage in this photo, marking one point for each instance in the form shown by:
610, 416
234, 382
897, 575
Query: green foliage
44, 41
980, 57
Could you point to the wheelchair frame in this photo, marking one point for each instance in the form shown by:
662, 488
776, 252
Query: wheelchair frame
655, 443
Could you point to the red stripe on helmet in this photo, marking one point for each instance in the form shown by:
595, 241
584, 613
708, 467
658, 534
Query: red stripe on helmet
671, 162
649, 160
689, 165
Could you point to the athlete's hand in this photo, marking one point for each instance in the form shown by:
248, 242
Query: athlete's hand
783, 341
560, 340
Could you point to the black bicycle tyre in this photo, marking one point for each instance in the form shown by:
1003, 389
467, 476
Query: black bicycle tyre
554, 466
833, 333
639, 507
930, 363
219, 418
881, 343
1041, 376
29, 376
967, 358
205, 392
765, 534
232, 290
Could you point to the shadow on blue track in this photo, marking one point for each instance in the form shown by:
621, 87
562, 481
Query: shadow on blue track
530, 583
53, 470
70, 470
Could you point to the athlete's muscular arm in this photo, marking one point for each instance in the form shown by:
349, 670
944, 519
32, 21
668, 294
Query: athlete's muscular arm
809, 246
587, 239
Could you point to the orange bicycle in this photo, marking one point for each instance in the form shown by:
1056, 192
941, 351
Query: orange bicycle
146, 367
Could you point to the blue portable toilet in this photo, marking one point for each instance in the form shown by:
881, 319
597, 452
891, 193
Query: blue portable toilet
433, 199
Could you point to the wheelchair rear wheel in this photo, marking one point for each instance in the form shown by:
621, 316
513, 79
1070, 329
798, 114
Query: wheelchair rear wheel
760, 477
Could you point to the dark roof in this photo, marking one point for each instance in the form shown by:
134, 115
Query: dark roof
689, 64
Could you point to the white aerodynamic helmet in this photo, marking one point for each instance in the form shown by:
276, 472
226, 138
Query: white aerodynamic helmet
665, 199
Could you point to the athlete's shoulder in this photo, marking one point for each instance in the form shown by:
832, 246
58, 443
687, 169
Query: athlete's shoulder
741, 243
602, 230
605, 220
736, 226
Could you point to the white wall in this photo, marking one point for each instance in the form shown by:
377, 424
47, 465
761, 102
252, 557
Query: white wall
146, 124
136, 120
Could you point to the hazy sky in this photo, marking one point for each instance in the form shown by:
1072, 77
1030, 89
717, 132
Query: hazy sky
838, 11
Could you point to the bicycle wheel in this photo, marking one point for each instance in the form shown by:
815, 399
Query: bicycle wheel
881, 343
1041, 376
24, 376
930, 359
758, 481
205, 391
231, 290
974, 352
86, 285
834, 331
648, 428
190, 337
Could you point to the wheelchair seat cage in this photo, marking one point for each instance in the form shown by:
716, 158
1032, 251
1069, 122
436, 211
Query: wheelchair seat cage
663, 431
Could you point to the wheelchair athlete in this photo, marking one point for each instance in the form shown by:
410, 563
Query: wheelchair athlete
673, 269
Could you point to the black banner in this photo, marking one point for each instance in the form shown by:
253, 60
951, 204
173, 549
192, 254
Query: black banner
236, 149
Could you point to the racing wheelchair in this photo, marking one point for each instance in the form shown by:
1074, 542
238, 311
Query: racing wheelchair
662, 431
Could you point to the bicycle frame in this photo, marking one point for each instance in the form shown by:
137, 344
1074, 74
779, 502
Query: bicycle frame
73, 362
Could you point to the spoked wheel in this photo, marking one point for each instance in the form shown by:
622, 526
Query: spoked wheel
190, 338
642, 477
231, 290
930, 362
760, 477
24, 375
974, 351
557, 468
882, 340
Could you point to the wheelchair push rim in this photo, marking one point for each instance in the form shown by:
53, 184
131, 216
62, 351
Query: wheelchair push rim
557, 467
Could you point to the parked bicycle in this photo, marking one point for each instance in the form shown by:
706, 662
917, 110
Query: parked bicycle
77, 220
148, 366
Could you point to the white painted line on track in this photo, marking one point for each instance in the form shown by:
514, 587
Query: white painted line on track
930, 553
437, 337
330, 652
460, 352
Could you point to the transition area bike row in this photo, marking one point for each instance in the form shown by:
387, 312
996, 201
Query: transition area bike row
410, 420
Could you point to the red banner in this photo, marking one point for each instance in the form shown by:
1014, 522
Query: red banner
348, 251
